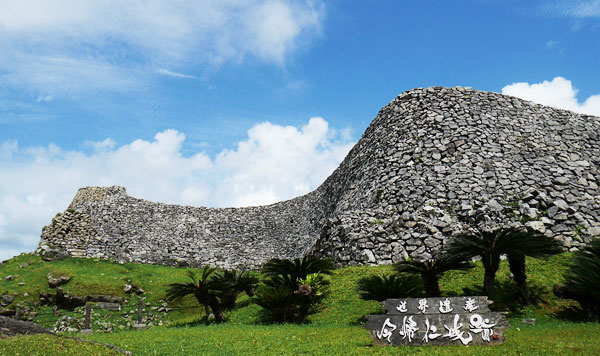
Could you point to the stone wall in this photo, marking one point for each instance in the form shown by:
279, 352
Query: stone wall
431, 159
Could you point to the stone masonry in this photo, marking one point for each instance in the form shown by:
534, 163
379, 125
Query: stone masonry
431, 159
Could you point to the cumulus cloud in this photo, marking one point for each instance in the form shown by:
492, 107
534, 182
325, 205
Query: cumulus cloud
559, 92
69, 45
273, 163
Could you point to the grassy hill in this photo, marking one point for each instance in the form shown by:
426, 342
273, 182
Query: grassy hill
178, 328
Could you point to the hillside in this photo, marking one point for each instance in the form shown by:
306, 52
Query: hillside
336, 330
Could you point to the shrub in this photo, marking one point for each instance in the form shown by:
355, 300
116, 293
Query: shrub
383, 287
293, 289
235, 282
289, 272
582, 280
431, 271
491, 244
208, 291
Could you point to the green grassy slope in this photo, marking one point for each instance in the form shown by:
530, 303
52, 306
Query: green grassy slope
336, 330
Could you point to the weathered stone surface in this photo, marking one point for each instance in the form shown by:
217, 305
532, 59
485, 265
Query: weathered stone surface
57, 282
12, 327
430, 158
108, 306
437, 321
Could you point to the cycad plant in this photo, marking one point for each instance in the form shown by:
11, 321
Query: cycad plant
431, 270
582, 281
208, 291
234, 282
382, 287
289, 272
293, 289
491, 244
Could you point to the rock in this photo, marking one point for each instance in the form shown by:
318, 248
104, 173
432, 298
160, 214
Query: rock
139, 327
57, 282
108, 306
593, 231
494, 205
552, 211
53, 254
368, 256
5, 300
537, 226
12, 327
561, 204
561, 180
132, 288
10, 277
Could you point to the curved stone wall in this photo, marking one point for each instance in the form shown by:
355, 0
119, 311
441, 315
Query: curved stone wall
428, 161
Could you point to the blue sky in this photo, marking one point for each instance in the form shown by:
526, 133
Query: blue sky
234, 103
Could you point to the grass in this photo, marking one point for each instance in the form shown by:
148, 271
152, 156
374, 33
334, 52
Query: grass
336, 330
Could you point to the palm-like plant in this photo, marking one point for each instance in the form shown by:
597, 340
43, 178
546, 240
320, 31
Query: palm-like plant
234, 282
491, 244
289, 272
208, 290
293, 288
383, 287
431, 270
582, 281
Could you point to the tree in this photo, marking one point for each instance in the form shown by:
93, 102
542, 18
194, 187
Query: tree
208, 290
531, 245
491, 244
431, 270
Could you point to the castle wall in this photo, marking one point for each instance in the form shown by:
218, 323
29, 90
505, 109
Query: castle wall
429, 161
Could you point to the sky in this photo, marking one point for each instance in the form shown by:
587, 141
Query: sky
247, 102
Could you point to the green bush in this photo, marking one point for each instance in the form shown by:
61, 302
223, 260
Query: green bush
233, 283
293, 289
431, 271
582, 280
383, 287
208, 291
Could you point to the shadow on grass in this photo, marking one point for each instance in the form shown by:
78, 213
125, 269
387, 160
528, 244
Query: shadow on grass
508, 298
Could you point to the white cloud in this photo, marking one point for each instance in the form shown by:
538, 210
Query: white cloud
559, 93
578, 9
175, 74
58, 46
582, 9
273, 163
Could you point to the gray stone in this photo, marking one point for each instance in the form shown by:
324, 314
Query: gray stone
56, 282
494, 205
10, 277
368, 256
430, 156
561, 180
536, 226
140, 327
561, 204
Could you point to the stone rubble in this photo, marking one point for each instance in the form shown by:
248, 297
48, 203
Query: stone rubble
430, 159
